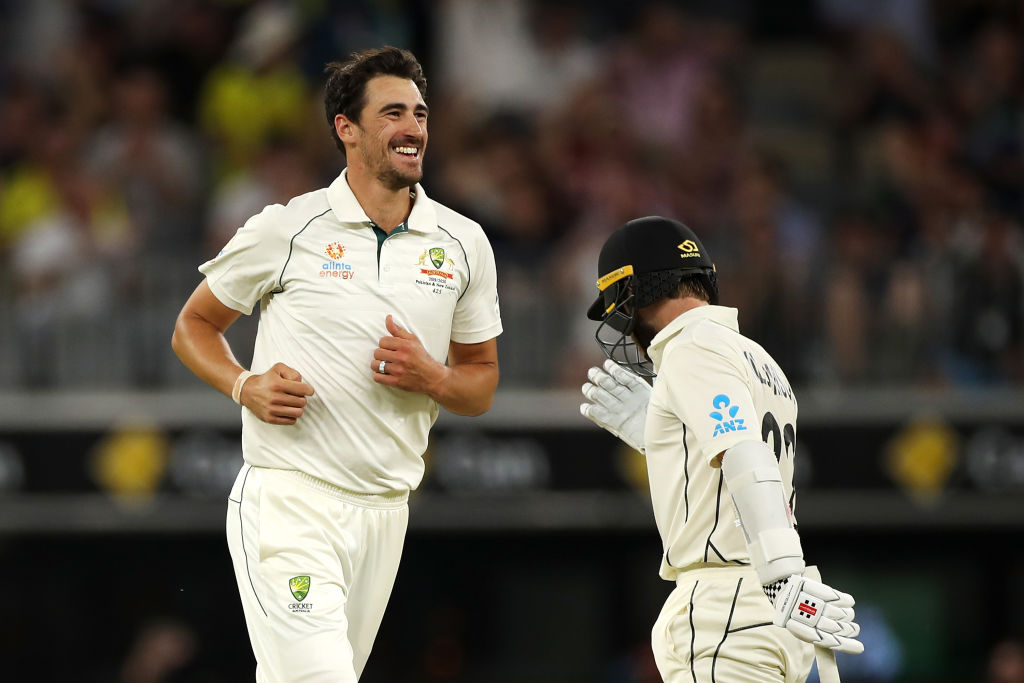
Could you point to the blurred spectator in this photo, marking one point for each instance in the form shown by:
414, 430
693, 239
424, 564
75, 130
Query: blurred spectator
883, 79
164, 651
901, 352
185, 39
26, 190
259, 92
851, 289
656, 76
336, 29
279, 172
989, 324
992, 98
910, 20
771, 243
536, 52
1006, 662
153, 162
705, 172
64, 259
159, 652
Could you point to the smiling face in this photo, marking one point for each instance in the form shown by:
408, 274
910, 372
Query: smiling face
389, 139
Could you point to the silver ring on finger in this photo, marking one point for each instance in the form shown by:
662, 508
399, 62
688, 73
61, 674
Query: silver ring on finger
381, 369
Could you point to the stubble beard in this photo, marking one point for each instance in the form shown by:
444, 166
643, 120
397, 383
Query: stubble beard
643, 334
385, 171
393, 179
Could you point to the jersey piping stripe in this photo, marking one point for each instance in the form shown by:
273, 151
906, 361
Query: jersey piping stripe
718, 511
717, 552
241, 497
686, 491
291, 245
469, 271
693, 633
732, 609
744, 628
686, 472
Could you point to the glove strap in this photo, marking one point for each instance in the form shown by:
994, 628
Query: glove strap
772, 589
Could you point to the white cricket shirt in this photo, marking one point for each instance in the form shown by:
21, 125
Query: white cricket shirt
325, 278
714, 389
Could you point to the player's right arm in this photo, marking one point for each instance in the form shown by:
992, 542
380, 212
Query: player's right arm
277, 396
809, 609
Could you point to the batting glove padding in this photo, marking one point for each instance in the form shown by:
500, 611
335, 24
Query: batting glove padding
617, 401
818, 614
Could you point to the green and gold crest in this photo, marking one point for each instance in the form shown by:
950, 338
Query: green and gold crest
299, 586
437, 256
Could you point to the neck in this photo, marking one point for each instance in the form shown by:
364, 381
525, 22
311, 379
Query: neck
666, 310
386, 207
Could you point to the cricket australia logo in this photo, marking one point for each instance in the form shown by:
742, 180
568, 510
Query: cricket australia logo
725, 416
299, 586
437, 258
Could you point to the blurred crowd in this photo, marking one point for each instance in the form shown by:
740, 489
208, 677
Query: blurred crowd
855, 169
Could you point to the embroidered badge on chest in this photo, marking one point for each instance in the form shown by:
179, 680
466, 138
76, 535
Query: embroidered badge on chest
441, 277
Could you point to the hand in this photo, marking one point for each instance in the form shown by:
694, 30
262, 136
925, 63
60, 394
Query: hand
277, 396
617, 402
818, 614
409, 366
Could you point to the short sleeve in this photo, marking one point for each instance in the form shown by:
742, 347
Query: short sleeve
248, 266
711, 397
477, 317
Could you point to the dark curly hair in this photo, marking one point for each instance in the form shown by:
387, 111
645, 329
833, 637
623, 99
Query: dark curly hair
345, 91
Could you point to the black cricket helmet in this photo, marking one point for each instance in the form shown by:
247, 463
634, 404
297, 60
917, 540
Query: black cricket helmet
641, 263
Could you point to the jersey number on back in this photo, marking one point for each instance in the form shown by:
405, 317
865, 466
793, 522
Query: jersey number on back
786, 436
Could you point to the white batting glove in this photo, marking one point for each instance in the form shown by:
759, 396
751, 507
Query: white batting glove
617, 401
816, 613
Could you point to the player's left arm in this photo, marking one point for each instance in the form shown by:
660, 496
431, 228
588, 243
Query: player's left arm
465, 386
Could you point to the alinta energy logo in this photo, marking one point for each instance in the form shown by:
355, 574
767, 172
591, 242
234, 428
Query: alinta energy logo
335, 267
299, 586
439, 260
335, 250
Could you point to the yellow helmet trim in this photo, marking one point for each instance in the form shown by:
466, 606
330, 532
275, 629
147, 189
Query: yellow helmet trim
611, 278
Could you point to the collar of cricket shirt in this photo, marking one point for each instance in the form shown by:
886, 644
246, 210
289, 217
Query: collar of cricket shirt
346, 207
719, 314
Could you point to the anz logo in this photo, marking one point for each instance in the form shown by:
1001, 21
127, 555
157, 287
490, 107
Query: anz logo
725, 416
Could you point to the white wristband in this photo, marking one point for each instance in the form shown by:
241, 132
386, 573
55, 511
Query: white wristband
236, 391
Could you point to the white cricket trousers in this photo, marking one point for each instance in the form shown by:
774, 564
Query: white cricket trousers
315, 566
717, 626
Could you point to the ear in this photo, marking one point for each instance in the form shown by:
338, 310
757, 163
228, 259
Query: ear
346, 129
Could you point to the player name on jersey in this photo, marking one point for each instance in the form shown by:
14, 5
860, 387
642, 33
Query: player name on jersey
767, 376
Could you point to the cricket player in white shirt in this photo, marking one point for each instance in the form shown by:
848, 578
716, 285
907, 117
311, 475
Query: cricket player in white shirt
718, 430
377, 305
